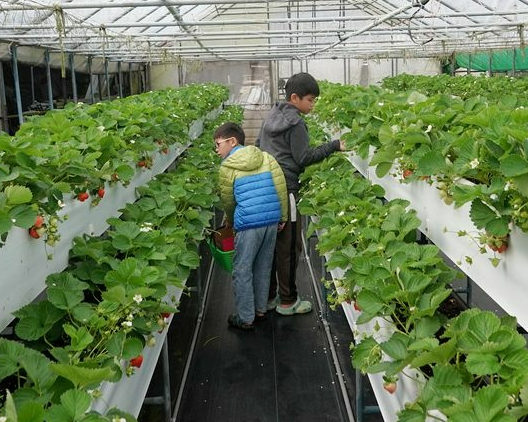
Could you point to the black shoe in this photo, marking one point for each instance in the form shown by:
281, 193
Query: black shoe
260, 318
235, 322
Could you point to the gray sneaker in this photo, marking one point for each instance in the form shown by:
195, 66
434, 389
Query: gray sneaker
272, 304
299, 307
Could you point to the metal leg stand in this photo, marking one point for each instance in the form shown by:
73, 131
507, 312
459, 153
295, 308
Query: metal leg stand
361, 409
468, 291
164, 399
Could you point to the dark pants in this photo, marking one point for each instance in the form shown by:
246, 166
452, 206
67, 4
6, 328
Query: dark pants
287, 251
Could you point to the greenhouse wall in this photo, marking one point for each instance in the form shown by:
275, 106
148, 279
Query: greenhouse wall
359, 72
164, 76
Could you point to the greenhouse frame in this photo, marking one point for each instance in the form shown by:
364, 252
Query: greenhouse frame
414, 234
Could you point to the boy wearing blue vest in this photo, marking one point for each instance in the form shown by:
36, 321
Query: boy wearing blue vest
253, 195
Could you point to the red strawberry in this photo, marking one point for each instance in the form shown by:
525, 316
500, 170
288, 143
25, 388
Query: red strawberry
33, 233
141, 163
137, 361
357, 307
101, 192
165, 150
165, 314
83, 196
389, 386
407, 173
502, 248
38, 221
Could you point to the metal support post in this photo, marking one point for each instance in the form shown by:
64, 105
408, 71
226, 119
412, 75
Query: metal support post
3, 102
107, 79
73, 79
90, 73
120, 76
48, 79
100, 87
16, 80
130, 79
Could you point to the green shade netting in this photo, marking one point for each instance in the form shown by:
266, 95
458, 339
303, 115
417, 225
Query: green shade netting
501, 61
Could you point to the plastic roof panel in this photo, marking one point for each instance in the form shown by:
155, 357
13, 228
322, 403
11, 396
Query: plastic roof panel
171, 30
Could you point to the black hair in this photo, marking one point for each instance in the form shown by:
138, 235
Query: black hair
301, 84
228, 130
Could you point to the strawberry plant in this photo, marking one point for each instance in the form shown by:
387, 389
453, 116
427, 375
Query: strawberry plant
471, 364
472, 148
106, 305
81, 147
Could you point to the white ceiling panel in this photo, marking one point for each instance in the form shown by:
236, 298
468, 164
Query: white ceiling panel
166, 30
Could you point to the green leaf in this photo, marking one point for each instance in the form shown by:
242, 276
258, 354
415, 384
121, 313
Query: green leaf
411, 415
17, 195
189, 259
125, 172
115, 344
23, 215
36, 320
383, 169
432, 163
521, 183
5, 222
514, 165
80, 376
10, 408
132, 347
396, 347
482, 363
481, 214
80, 337
489, 402
76, 402
57, 413
30, 412
498, 226
64, 290
366, 354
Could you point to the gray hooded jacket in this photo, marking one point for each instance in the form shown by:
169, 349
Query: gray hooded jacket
284, 135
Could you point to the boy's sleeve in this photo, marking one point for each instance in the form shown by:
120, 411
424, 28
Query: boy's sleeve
227, 198
300, 147
280, 185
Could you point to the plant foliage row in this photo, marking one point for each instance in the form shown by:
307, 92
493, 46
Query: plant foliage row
447, 141
100, 313
472, 367
74, 152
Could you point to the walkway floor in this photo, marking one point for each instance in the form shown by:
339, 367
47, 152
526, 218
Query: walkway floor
283, 371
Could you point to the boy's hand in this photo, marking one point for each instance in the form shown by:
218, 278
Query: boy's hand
342, 146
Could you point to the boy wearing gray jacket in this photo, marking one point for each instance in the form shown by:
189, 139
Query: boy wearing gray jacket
284, 135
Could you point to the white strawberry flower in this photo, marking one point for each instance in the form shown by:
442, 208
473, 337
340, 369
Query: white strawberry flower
474, 163
138, 299
126, 323
429, 128
494, 196
341, 214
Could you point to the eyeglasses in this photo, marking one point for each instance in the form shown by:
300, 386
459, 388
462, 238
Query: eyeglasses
217, 143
